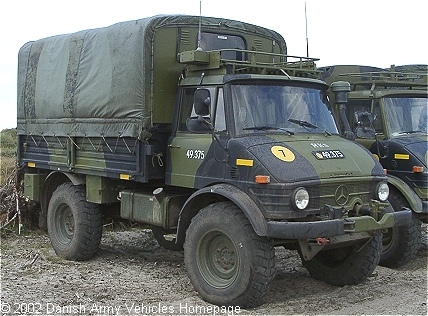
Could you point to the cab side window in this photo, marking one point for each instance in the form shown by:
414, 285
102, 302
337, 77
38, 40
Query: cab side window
217, 111
378, 122
220, 118
355, 106
366, 106
186, 108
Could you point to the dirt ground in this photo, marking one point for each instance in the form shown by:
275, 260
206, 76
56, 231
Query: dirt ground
132, 275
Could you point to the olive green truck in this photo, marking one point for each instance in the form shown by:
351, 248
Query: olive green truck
204, 129
387, 112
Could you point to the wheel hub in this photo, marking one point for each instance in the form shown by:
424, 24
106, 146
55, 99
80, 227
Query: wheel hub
218, 260
69, 223
225, 257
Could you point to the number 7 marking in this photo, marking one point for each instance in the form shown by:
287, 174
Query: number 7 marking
283, 153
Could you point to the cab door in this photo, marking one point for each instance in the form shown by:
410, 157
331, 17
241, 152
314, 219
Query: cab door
193, 152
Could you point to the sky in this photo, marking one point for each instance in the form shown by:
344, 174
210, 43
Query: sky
365, 32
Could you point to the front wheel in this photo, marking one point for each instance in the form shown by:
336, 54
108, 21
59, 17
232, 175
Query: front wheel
401, 243
74, 225
347, 265
227, 262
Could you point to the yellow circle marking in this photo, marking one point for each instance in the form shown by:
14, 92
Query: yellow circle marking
283, 153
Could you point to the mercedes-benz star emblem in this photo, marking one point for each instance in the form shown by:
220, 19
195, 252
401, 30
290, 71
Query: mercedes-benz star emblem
341, 195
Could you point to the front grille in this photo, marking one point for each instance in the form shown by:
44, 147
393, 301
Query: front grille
275, 199
344, 194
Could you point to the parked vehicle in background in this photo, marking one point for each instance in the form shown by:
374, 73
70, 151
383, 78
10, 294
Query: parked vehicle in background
387, 113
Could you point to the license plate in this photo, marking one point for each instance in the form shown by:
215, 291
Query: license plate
328, 154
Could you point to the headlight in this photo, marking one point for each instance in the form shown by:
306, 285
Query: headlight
383, 191
300, 198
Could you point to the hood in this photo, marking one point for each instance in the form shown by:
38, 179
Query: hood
314, 158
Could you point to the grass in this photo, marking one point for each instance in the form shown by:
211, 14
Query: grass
8, 143
6, 169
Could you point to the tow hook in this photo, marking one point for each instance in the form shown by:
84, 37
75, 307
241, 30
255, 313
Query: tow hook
321, 241
335, 213
375, 209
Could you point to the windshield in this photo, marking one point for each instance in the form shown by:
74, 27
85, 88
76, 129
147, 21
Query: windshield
406, 115
290, 109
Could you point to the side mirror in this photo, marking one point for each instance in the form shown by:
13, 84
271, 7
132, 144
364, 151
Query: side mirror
202, 102
364, 124
201, 105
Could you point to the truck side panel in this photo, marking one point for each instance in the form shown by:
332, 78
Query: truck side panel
123, 158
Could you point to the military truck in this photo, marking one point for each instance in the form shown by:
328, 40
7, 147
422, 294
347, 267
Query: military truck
387, 113
206, 130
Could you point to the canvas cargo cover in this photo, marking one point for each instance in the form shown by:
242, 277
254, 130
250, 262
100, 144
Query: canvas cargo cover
98, 82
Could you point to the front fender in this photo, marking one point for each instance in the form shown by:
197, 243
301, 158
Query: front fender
409, 194
217, 193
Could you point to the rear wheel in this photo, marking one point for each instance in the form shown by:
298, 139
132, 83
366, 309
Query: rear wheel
400, 244
227, 262
347, 265
74, 225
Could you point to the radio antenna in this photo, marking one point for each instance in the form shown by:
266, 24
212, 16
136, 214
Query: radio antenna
307, 40
200, 25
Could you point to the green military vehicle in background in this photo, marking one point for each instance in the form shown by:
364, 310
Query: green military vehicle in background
387, 113
206, 130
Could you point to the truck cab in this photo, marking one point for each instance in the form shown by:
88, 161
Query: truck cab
260, 135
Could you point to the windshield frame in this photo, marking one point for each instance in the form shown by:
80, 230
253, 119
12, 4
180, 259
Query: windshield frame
277, 123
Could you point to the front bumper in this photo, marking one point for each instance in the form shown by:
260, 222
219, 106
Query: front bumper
334, 227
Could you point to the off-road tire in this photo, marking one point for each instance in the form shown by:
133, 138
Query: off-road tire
74, 225
226, 261
159, 234
348, 265
400, 244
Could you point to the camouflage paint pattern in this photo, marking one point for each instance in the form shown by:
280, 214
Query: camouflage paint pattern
337, 173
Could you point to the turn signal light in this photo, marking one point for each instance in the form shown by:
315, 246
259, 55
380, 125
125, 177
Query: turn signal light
262, 179
418, 169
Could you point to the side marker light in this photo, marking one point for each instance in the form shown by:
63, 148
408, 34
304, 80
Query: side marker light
262, 179
418, 169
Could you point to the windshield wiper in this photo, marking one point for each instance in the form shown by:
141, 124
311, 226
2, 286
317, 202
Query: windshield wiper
267, 128
302, 123
409, 132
